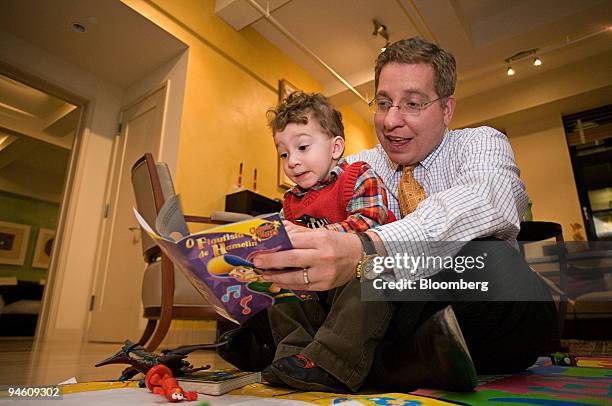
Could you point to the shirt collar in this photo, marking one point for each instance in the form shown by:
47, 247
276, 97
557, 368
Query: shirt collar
330, 178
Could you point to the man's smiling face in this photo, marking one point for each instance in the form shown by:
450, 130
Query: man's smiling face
408, 139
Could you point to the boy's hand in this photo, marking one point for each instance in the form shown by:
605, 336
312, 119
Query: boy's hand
329, 256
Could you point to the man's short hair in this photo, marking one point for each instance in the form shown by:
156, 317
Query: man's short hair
299, 106
416, 50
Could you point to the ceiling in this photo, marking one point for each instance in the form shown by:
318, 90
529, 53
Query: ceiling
113, 32
37, 129
36, 135
481, 34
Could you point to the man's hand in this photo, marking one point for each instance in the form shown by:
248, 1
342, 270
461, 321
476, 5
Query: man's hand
330, 257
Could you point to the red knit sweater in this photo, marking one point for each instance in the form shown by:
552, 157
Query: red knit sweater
326, 205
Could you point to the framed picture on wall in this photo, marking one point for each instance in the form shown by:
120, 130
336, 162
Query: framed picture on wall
284, 89
13, 242
44, 246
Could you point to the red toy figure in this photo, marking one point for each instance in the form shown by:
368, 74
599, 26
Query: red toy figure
159, 380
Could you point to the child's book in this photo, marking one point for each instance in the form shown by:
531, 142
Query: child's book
217, 382
218, 263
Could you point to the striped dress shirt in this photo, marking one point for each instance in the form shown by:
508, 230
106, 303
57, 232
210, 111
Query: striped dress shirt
472, 186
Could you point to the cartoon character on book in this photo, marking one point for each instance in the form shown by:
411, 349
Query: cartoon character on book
231, 266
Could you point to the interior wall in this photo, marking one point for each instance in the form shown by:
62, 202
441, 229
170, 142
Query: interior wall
232, 79
541, 152
359, 133
35, 213
530, 112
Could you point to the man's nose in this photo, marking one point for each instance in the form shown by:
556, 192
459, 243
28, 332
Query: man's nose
393, 118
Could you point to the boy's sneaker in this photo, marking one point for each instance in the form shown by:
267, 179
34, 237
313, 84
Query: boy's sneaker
301, 373
244, 350
270, 377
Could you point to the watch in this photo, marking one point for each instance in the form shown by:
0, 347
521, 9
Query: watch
365, 266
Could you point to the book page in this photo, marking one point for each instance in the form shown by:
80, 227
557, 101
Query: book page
171, 220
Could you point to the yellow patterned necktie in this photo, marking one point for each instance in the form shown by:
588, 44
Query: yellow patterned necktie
410, 192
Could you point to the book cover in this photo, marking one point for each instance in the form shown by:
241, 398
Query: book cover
217, 382
218, 263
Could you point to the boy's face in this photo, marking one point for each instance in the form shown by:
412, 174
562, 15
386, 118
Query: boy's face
307, 152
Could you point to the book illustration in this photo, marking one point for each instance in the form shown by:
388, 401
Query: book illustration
218, 261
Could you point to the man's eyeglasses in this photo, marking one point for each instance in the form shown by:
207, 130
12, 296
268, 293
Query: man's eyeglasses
381, 105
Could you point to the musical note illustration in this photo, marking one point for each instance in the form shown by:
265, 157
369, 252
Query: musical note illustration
244, 302
235, 290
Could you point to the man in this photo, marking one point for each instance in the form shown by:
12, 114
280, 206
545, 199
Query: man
459, 185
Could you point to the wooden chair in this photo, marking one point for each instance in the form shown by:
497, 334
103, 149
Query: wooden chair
532, 231
166, 294
585, 305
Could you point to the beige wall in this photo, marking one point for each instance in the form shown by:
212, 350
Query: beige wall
542, 155
359, 133
232, 79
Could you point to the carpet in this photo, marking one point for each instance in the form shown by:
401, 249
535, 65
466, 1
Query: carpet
590, 383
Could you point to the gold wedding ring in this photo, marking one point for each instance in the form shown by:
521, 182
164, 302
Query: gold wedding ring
305, 275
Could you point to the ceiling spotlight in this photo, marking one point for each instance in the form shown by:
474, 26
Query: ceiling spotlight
380, 29
537, 61
510, 71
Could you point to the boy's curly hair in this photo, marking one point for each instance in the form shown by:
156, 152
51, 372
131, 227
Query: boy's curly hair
299, 106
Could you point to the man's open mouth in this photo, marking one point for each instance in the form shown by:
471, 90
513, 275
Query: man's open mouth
397, 141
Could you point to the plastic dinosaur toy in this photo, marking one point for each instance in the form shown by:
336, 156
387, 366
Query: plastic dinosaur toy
142, 360
160, 381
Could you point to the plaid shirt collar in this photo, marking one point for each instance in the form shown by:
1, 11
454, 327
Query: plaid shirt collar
329, 179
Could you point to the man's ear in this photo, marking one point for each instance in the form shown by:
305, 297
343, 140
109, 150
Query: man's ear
338, 147
449, 109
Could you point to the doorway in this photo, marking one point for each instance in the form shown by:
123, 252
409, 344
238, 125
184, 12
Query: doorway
37, 137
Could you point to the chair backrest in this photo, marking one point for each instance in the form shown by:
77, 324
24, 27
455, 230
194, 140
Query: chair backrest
152, 186
539, 231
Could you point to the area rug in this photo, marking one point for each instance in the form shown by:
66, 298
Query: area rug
590, 383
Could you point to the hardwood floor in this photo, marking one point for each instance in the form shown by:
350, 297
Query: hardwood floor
22, 363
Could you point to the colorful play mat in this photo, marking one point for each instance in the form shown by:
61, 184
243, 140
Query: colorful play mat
589, 383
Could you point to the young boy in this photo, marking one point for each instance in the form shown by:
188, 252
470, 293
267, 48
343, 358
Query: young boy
326, 345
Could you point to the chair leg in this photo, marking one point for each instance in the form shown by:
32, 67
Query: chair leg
160, 332
167, 303
148, 332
